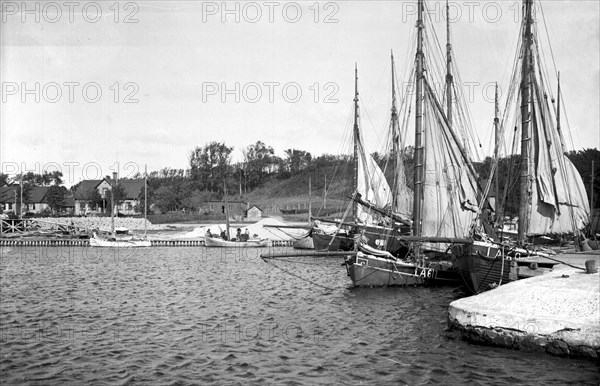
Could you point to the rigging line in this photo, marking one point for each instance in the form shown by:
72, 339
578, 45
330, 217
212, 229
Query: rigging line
295, 275
548, 37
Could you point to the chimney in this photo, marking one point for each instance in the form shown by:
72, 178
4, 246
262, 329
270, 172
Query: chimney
115, 176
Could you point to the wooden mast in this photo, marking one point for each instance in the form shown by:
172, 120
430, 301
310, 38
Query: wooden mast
497, 208
226, 211
309, 200
112, 206
419, 159
356, 139
145, 198
448, 68
525, 127
395, 135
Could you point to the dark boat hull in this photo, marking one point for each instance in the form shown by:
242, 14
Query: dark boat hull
377, 237
483, 266
373, 271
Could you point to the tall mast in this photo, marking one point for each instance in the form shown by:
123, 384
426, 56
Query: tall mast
448, 67
395, 134
525, 129
356, 139
558, 107
325, 193
497, 209
226, 211
309, 201
145, 197
419, 159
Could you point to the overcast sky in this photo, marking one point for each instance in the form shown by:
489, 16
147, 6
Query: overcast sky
169, 74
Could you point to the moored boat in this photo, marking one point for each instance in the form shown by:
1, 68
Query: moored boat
129, 242
552, 198
218, 242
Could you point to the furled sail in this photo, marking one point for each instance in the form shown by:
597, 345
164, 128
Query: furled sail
559, 202
556, 201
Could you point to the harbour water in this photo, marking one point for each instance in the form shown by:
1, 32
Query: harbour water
196, 315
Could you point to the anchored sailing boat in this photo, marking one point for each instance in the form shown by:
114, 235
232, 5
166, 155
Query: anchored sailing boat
120, 237
446, 193
552, 198
373, 194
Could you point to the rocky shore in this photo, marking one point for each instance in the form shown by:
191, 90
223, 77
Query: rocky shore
557, 313
103, 223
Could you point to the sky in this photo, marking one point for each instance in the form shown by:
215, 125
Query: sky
92, 87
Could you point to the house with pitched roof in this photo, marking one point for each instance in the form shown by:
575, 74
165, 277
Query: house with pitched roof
132, 189
35, 202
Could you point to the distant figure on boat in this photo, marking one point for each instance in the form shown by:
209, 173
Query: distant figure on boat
245, 236
224, 235
238, 235
208, 233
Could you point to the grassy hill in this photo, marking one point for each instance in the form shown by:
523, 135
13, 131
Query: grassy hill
292, 193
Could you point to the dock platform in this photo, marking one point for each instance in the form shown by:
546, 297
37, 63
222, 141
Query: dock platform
557, 313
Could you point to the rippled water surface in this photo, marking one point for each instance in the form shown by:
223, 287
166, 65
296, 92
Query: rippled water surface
196, 315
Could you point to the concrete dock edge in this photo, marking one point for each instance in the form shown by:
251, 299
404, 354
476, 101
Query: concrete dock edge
557, 313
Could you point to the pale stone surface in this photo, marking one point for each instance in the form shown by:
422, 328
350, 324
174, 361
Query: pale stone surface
103, 223
562, 306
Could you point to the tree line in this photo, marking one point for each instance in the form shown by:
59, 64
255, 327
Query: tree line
211, 174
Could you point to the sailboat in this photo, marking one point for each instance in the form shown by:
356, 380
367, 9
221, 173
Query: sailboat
120, 237
446, 195
552, 196
372, 201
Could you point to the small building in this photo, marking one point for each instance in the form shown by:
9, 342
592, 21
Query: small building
237, 209
35, 202
254, 213
129, 205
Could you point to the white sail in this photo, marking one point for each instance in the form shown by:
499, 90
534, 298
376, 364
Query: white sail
371, 185
450, 192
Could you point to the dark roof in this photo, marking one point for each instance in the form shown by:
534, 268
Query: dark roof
7, 194
254, 206
132, 188
84, 189
37, 194
68, 201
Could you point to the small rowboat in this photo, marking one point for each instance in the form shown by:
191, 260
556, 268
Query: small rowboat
220, 243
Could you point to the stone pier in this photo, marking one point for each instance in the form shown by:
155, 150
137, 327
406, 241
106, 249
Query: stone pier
557, 313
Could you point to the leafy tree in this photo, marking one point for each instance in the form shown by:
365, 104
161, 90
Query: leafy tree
56, 177
297, 160
118, 193
4, 179
55, 197
95, 198
210, 165
259, 163
164, 198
